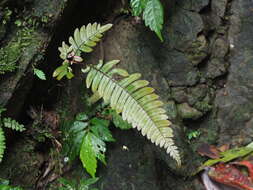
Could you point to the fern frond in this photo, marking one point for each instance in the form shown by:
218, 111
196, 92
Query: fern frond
12, 124
84, 39
2, 143
137, 103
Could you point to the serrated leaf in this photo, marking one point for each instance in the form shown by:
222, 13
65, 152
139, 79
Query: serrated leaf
40, 74
82, 116
138, 6
78, 126
88, 155
74, 133
153, 16
74, 144
100, 129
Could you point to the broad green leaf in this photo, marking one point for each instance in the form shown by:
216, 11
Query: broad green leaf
138, 6
88, 182
74, 144
101, 122
88, 155
82, 117
78, 126
40, 74
100, 129
119, 122
153, 16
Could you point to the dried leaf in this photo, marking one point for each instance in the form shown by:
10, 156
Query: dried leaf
209, 151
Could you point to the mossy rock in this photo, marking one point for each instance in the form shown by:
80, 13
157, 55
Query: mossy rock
187, 112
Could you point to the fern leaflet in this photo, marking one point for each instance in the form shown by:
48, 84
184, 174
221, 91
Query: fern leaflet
12, 124
2, 143
83, 41
137, 103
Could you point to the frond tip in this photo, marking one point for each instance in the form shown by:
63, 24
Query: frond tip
137, 103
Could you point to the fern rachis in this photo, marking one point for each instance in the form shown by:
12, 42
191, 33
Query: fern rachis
138, 104
130, 96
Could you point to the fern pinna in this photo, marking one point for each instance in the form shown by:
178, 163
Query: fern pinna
130, 96
8, 123
2, 143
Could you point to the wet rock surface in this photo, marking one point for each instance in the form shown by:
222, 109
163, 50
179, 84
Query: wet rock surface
235, 100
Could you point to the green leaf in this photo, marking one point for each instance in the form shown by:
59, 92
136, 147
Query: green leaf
88, 182
2, 143
153, 16
68, 184
12, 124
100, 129
39, 73
78, 126
228, 156
98, 147
119, 122
82, 117
138, 6
74, 135
74, 145
61, 71
88, 155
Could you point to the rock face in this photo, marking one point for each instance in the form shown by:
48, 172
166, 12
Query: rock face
235, 101
200, 71
23, 45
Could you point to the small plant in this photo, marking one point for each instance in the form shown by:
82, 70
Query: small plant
84, 184
8, 123
193, 134
152, 13
39, 73
4, 185
125, 93
86, 138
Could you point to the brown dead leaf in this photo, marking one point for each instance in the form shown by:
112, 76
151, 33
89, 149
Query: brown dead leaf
209, 151
224, 147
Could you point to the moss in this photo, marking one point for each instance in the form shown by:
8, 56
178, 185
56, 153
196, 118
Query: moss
10, 54
187, 112
198, 50
203, 106
23, 163
171, 110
